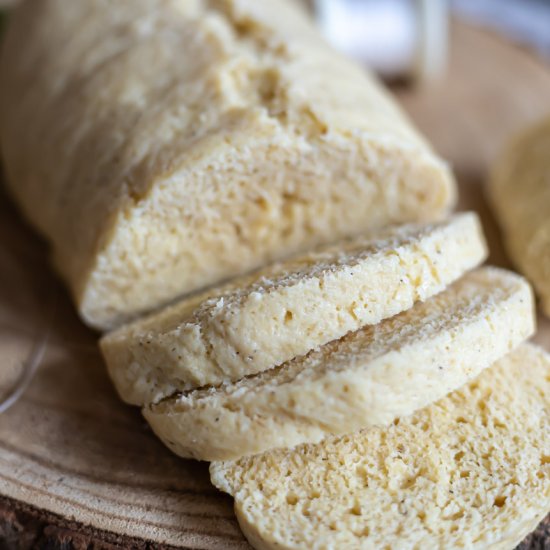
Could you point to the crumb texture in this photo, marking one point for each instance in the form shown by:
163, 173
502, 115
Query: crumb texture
170, 144
262, 320
368, 378
470, 471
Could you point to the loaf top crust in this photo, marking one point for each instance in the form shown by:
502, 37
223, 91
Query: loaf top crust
470, 471
260, 321
367, 378
166, 145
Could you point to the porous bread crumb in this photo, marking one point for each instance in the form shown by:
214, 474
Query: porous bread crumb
470, 471
519, 192
369, 377
169, 145
260, 321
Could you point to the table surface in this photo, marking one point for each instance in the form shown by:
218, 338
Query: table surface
79, 467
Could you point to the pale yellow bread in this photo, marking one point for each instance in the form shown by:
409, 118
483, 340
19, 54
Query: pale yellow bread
470, 471
519, 191
260, 321
368, 378
165, 145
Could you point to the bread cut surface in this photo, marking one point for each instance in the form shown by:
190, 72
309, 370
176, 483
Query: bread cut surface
368, 378
470, 471
520, 194
164, 146
260, 321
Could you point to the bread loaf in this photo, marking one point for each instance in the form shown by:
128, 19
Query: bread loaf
470, 471
368, 378
519, 191
162, 146
260, 321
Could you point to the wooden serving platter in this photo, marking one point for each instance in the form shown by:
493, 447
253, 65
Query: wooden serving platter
78, 469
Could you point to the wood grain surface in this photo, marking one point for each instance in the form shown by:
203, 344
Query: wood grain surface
78, 469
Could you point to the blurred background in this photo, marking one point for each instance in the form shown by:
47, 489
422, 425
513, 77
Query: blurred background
400, 37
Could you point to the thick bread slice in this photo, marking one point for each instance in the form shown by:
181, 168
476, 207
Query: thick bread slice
155, 172
520, 194
470, 471
369, 377
288, 309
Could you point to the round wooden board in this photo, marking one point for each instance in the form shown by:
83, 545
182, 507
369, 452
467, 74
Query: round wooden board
78, 469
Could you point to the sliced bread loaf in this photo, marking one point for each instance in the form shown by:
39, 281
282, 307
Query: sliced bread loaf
263, 320
369, 377
155, 172
470, 471
519, 192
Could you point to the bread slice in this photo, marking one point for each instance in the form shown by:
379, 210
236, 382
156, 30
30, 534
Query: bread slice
154, 173
470, 471
369, 377
520, 195
263, 320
